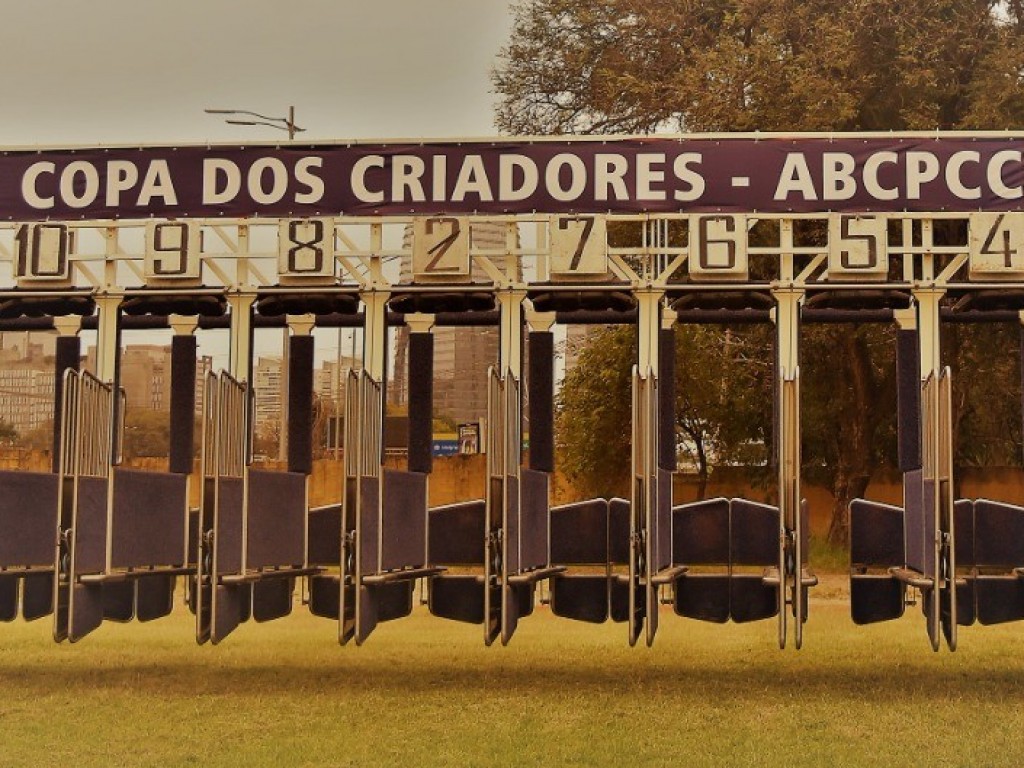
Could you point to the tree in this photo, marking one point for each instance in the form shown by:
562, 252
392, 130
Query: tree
635, 66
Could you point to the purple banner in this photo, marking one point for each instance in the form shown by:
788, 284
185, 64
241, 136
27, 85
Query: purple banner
951, 172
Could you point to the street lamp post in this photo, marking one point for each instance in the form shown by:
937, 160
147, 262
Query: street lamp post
280, 123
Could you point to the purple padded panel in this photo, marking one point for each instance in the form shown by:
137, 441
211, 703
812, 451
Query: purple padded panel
876, 534
700, 533
533, 486
28, 518
228, 535
753, 533
618, 531
999, 534
149, 518
277, 518
325, 535
663, 516
579, 533
914, 526
369, 525
91, 526
512, 530
404, 529
457, 534
963, 517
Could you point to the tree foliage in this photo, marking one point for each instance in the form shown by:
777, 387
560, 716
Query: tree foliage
638, 66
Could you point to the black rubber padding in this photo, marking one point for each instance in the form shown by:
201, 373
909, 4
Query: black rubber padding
908, 400
183, 403
161, 305
276, 305
582, 301
542, 405
691, 301
67, 355
421, 402
434, 303
300, 404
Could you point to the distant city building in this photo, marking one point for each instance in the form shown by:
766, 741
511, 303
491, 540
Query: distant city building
461, 355
26, 380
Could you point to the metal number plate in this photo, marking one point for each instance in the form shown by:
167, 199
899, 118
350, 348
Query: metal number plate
173, 252
857, 248
718, 248
579, 246
440, 248
305, 249
42, 254
995, 243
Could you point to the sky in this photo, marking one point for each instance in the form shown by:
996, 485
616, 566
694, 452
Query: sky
142, 71
116, 72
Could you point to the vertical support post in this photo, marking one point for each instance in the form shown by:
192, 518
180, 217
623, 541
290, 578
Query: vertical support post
644, 534
787, 398
67, 356
937, 557
300, 394
183, 394
240, 353
421, 392
505, 434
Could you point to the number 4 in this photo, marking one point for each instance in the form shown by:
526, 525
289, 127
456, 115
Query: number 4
996, 241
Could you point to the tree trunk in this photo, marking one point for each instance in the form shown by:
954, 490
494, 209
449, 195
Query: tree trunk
855, 462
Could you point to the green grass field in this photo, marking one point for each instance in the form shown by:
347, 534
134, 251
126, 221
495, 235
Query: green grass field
426, 692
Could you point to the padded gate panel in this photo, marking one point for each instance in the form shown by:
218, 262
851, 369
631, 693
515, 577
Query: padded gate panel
277, 518
404, 532
456, 534
511, 529
753, 533
325, 535
324, 596
457, 597
963, 519
999, 599
193, 537
619, 610
91, 526
37, 596
154, 597
149, 518
119, 601
87, 612
533, 486
9, 597
700, 533
230, 611
999, 534
914, 521
272, 598
751, 600
618, 531
876, 598
876, 534
579, 533
662, 550
368, 617
394, 601
703, 596
28, 518
966, 603
369, 521
583, 598
228, 536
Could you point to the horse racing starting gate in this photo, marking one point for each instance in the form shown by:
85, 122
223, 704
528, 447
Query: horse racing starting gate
523, 234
